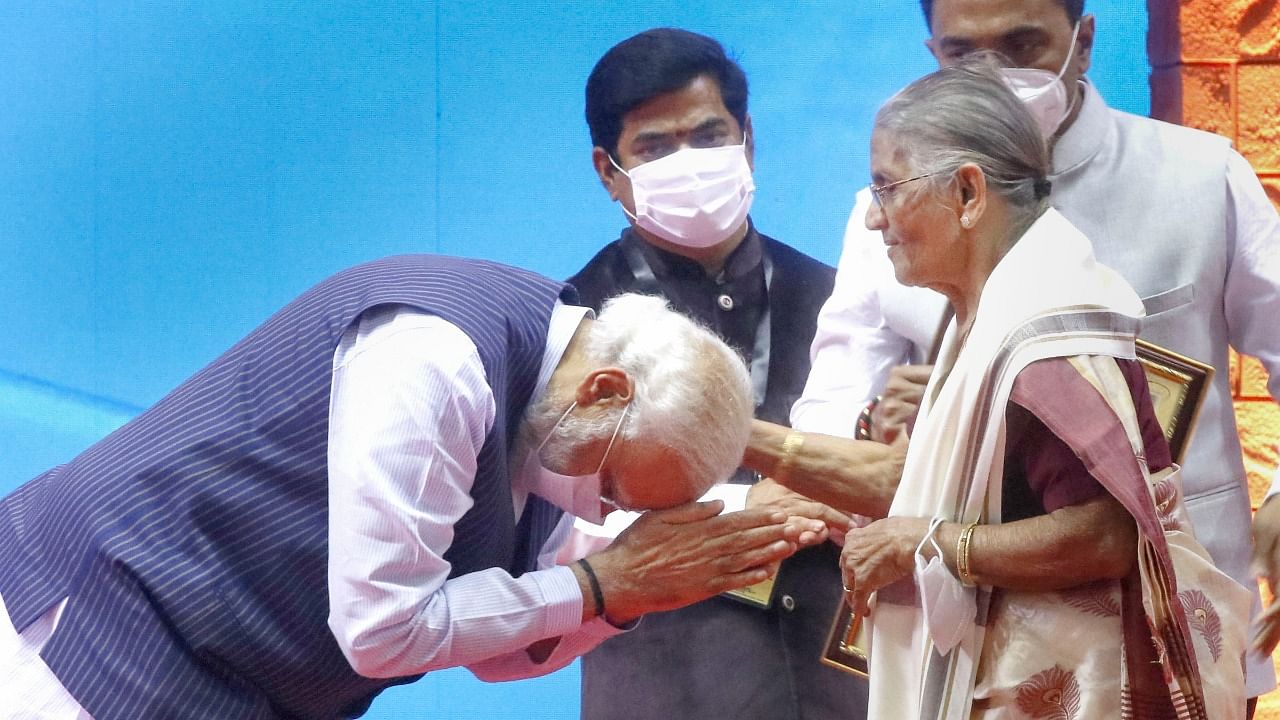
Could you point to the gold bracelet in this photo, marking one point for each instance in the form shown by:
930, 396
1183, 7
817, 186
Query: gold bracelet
962, 554
791, 445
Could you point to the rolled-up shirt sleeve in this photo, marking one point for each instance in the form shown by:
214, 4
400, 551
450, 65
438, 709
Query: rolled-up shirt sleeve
410, 409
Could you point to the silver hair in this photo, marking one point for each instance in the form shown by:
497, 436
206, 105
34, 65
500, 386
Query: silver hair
692, 392
964, 113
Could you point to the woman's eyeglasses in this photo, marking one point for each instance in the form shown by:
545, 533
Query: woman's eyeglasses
881, 193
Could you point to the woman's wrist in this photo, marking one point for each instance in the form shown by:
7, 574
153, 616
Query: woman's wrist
917, 541
764, 447
946, 536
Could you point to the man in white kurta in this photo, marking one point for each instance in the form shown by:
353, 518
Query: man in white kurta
1182, 216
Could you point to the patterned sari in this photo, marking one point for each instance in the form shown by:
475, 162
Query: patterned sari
1165, 642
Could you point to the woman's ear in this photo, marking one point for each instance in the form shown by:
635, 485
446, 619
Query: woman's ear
972, 185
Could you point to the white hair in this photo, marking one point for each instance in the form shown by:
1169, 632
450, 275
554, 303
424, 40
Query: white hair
692, 391
965, 113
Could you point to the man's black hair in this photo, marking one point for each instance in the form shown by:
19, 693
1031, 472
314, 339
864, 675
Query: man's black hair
654, 62
1074, 9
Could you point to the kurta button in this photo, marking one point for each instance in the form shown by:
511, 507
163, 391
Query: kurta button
788, 603
725, 302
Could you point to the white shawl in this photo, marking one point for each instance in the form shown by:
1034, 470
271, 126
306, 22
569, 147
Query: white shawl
1048, 297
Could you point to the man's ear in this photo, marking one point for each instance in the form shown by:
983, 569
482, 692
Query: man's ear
606, 385
1084, 44
750, 142
607, 173
933, 49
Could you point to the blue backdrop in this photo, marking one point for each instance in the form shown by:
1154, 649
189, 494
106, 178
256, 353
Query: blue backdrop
172, 172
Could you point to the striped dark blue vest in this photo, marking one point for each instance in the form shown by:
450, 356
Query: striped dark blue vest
192, 542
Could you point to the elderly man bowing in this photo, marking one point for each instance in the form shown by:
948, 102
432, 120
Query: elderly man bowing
370, 486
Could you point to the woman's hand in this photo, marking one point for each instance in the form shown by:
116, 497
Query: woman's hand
877, 555
815, 520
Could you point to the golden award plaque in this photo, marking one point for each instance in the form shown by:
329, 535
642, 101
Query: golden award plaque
1178, 388
849, 644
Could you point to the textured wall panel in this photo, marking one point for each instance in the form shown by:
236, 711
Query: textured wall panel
1214, 30
1253, 380
1259, 29
1259, 433
1272, 186
1259, 115
1207, 98
1209, 27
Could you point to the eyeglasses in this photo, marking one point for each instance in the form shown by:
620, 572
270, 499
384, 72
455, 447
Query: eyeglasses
881, 193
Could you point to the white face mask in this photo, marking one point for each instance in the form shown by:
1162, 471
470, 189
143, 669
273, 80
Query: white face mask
1042, 92
578, 495
949, 607
695, 197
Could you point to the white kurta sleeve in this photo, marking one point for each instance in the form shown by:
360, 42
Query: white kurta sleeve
854, 348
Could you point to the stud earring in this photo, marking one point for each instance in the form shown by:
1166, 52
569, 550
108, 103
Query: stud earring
965, 221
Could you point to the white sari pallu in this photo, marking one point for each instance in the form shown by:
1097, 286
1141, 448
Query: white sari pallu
1165, 642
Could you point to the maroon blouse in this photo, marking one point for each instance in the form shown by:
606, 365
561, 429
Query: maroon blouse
1041, 472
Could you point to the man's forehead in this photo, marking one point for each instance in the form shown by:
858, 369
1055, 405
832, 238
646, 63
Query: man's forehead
681, 110
653, 477
979, 20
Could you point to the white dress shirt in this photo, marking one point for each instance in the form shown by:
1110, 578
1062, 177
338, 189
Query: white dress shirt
409, 413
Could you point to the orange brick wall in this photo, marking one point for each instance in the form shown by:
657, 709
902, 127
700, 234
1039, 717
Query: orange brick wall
1216, 66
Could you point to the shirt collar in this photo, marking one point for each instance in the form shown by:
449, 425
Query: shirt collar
742, 261
1087, 134
565, 320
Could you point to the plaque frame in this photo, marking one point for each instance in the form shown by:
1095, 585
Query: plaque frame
848, 644
1178, 387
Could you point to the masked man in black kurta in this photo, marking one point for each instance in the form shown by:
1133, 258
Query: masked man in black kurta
673, 145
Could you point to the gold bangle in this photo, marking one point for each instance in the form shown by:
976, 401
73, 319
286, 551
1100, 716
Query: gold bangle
962, 554
791, 445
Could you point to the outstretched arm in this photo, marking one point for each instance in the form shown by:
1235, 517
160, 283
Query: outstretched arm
852, 476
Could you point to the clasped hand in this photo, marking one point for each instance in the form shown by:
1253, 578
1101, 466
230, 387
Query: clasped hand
815, 521
671, 558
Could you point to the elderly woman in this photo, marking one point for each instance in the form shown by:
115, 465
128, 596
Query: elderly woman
1026, 567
